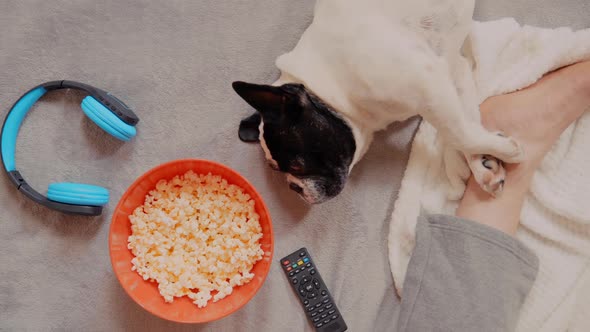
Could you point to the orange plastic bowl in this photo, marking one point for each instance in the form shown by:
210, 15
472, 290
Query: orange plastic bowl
145, 293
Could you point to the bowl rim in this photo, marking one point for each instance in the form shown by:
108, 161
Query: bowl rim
142, 177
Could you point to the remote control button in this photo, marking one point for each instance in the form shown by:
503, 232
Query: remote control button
316, 319
319, 324
299, 262
331, 312
324, 316
325, 301
289, 268
304, 280
302, 291
313, 314
334, 317
309, 288
292, 273
308, 265
302, 268
294, 265
312, 272
316, 283
301, 254
297, 271
327, 321
324, 293
329, 306
317, 305
294, 281
321, 310
311, 308
286, 262
306, 260
306, 302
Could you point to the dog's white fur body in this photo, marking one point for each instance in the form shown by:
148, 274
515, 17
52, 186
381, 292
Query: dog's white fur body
380, 61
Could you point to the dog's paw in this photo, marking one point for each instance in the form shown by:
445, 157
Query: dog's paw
489, 173
514, 153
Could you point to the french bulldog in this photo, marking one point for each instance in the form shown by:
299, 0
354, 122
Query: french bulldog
360, 66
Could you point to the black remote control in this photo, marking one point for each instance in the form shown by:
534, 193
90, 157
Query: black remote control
312, 291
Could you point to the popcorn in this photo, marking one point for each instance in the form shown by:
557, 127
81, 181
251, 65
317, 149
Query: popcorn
194, 235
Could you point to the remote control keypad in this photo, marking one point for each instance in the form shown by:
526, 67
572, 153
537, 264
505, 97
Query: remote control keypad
312, 292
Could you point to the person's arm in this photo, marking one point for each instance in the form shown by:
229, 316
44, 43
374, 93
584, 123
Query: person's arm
468, 273
536, 117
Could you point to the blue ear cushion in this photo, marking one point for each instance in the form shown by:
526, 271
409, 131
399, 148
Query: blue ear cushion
106, 120
78, 194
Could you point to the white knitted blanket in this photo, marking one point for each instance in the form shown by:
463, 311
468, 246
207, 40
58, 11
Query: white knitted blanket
556, 215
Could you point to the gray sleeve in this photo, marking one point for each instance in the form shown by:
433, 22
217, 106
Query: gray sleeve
464, 276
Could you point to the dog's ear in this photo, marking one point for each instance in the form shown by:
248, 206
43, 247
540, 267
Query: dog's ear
248, 131
272, 102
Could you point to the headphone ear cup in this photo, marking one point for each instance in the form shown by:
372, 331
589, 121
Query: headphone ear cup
106, 120
78, 194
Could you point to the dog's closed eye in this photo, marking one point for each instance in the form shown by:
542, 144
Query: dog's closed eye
296, 168
296, 165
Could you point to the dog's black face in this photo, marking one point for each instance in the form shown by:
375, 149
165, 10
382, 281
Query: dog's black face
301, 136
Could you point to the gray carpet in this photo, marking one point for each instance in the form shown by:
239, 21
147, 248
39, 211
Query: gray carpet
174, 61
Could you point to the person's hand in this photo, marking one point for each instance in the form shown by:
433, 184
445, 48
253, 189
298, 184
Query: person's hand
536, 117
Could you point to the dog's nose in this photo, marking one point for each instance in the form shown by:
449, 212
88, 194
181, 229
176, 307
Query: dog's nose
296, 188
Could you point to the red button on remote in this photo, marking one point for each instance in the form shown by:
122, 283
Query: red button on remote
286, 262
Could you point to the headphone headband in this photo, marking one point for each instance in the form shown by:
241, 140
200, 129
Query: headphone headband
113, 109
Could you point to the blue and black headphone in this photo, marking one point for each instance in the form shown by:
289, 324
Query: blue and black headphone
108, 112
